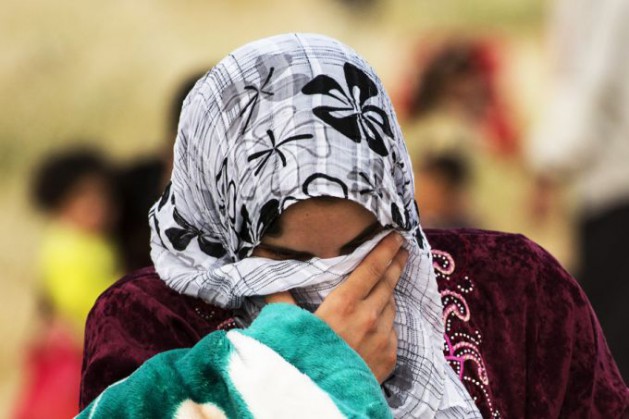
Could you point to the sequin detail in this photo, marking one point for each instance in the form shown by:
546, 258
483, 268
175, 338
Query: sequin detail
227, 325
204, 314
461, 349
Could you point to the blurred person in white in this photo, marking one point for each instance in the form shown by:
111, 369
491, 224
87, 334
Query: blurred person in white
583, 139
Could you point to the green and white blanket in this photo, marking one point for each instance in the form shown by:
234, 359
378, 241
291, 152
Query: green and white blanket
287, 364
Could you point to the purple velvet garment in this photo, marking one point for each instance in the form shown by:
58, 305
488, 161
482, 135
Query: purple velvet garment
519, 331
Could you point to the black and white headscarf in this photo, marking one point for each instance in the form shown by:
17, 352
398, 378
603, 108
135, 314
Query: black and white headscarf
281, 120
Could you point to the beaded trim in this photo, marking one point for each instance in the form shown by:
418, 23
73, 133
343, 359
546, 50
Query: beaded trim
461, 349
203, 314
227, 325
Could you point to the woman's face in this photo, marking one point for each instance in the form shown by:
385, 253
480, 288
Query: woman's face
318, 227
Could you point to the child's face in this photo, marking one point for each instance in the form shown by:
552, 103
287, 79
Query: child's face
437, 200
89, 205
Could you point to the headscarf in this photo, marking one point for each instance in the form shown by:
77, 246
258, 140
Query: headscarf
279, 121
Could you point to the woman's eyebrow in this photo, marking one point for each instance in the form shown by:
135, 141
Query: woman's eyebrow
355, 242
363, 236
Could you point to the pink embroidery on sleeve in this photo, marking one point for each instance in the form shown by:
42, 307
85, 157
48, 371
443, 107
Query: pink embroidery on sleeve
461, 349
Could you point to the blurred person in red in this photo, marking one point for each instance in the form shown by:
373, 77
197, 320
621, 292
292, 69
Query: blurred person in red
458, 113
583, 140
77, 262
460, 82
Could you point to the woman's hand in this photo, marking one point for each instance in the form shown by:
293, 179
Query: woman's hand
362, 309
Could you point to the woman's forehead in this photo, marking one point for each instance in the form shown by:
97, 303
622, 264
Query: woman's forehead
321, 216
321, 227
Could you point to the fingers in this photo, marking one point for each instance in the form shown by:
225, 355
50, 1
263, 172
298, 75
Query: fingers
372, 268
382, 293
281, 297
388, 317
387, 356
392, 354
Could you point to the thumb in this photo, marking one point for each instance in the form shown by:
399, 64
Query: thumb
281, 297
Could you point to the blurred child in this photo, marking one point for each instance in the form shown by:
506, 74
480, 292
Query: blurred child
77, 263
442, 183
140, 183
138, 186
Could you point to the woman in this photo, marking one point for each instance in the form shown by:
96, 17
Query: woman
290, 174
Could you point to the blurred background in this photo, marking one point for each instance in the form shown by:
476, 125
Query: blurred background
88, 97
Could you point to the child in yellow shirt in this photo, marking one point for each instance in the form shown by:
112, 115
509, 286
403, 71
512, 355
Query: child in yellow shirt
77, 260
